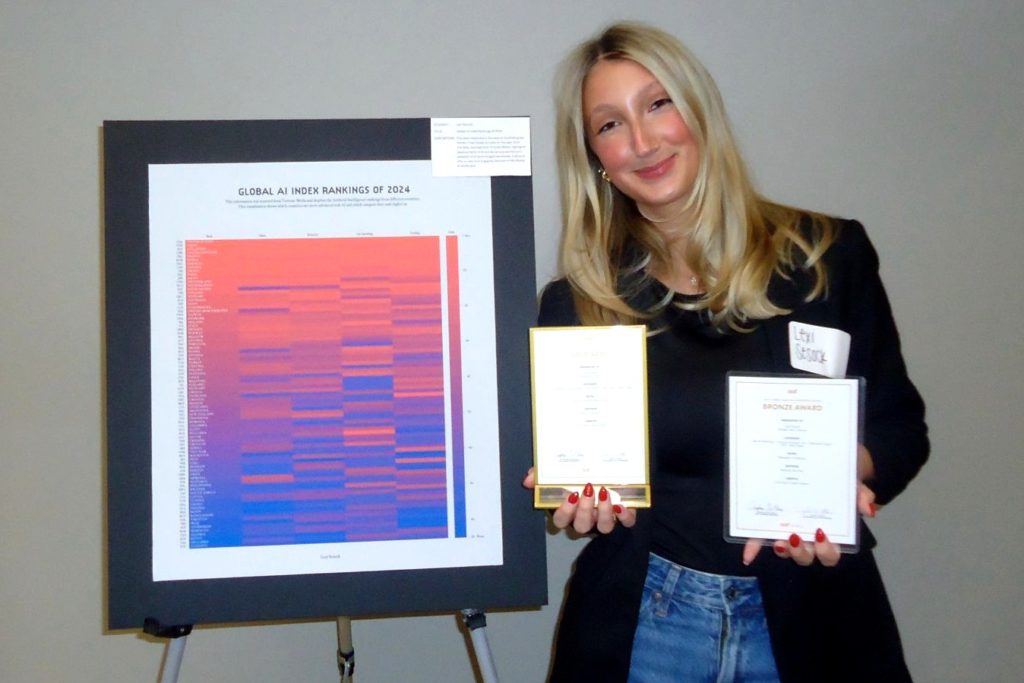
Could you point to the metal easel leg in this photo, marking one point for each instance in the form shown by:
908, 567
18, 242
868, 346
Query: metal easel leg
346, 652
175, 651
476, 622
172, 660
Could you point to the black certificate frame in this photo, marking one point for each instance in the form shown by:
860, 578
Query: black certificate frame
133, 597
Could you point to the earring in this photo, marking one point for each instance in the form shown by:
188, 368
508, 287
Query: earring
604, 174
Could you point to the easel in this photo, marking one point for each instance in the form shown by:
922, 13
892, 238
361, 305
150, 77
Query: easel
474, 620
175, 651
346, 651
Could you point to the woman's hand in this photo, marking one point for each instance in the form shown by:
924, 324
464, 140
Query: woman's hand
586, 511
805, 552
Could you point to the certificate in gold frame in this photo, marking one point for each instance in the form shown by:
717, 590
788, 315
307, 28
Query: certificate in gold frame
589, 389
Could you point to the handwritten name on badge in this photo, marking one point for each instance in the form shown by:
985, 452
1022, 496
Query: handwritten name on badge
821, 350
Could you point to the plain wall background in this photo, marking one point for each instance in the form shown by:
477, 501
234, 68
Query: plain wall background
907, 115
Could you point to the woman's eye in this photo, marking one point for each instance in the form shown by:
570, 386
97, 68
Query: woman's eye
605, 127
661, 102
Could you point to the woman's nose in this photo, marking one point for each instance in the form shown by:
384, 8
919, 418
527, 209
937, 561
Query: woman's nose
644, 141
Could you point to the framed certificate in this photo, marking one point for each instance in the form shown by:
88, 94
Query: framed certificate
590, 412
792, 463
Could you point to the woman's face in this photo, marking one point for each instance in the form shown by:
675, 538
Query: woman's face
639, 136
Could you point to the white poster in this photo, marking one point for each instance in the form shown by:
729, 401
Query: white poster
323, 369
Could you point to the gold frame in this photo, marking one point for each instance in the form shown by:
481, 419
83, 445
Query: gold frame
630, 494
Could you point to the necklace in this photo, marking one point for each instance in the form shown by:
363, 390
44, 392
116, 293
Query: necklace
691, 279
695, 287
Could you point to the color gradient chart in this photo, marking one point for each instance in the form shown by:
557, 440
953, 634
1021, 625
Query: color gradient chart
318, 406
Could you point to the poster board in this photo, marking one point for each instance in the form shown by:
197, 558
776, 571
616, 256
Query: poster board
317, 372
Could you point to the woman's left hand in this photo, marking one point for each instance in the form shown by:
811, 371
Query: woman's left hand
805, 552
586, 513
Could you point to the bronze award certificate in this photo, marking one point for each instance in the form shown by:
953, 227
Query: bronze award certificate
792, 465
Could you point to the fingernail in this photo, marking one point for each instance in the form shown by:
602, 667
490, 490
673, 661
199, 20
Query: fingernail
574, 498
872, 510
794, 540
819, 536
602, 495
779, 548
588, 490
617, 509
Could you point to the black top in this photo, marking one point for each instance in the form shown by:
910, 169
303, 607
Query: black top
687, 366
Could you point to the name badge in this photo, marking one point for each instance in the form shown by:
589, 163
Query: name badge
821, 350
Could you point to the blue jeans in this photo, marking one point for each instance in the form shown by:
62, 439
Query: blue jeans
697, 627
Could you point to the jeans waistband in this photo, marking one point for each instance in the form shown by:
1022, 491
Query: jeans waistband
713, 591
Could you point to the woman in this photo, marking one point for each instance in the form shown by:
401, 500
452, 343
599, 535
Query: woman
663, 227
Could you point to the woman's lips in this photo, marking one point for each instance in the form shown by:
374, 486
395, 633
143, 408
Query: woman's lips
657, 170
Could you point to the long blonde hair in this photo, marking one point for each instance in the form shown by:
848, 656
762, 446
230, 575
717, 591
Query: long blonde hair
739, 239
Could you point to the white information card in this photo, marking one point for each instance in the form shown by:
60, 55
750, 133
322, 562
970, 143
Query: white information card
590, 412
486, 146
792, 464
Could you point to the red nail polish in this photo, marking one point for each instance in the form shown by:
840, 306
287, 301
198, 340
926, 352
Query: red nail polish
794, 540
873, 510
819, 536
617, 509
574, 498
588, 490
602, 495
779, 548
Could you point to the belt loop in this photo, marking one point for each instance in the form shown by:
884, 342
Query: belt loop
667, 589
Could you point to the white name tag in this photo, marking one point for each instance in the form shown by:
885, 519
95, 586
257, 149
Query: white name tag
821, 350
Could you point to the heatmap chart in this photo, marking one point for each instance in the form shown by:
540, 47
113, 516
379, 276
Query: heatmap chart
316, 391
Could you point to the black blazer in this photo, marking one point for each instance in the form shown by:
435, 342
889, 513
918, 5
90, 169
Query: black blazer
825, 623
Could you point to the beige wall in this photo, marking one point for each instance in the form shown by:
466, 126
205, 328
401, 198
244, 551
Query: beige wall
906, 115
